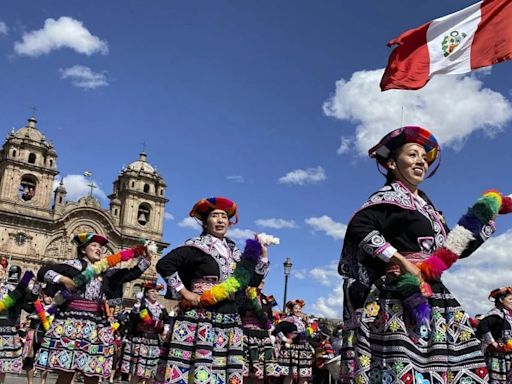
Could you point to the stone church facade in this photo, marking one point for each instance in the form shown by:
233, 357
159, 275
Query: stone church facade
37, 222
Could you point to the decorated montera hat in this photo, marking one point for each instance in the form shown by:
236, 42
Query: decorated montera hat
203, 207
409, 134
83, 239
295, 302
499, 292
152, 285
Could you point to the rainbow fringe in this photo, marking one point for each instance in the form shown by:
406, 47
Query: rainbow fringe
108, 262
15, 295
239, 279
467, 229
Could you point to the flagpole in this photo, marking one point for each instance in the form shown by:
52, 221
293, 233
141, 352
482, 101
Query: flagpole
402, 122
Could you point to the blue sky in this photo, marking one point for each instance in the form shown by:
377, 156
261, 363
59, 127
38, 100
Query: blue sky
272, 104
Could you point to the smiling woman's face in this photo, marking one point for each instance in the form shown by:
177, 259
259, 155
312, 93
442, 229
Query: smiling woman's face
507, 302
410, 164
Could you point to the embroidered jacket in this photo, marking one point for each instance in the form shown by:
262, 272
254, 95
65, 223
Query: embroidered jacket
495, 326
204, 257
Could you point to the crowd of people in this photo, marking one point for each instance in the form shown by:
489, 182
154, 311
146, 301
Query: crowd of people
401, 324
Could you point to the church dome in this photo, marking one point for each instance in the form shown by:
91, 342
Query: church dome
30, 131
141, 165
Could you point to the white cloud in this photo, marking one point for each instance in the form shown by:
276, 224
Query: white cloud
236, 178
4, 29
451, 106
345, 145
83, 77
240, 234
330, 305
304, 176
301, 274
329, 226
326, 275
62, 33
190, 222
77, 186
168, 216
276, 223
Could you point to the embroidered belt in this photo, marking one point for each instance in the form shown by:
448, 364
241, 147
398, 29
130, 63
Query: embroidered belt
84, 305
200, 285
413, 257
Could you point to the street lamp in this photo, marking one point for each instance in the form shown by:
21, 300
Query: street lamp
287, 268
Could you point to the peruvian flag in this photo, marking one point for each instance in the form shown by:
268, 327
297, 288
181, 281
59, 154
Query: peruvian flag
477, 36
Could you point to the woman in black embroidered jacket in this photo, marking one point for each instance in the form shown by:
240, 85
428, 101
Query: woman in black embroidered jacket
148, 320
295, 353
396, 228
495, 332
11, 346
80, 338
206, 343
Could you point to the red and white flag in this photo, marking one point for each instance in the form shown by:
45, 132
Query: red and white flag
475, 37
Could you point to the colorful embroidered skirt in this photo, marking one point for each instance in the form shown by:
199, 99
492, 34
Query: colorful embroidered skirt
140, 356
77, 341
386, 348
500, 368
296, 360
11, 349
260, 357
204, 348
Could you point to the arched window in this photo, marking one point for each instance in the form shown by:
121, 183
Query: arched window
32, 158
60, 199
143, 214
13, 153
115, 212
146, 188
27, 188
51, 163
161, 192
133, 184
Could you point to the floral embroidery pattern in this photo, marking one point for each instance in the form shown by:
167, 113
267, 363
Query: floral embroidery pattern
365, 360
372, 309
